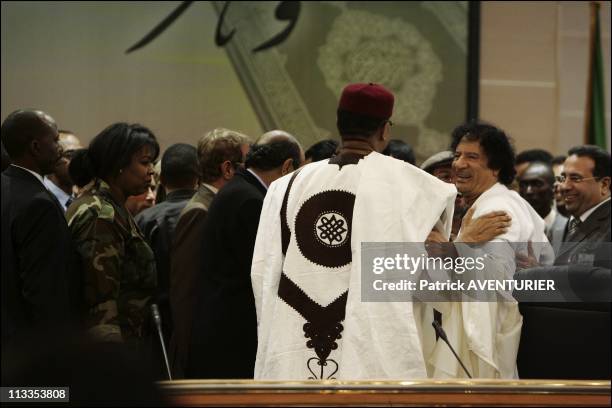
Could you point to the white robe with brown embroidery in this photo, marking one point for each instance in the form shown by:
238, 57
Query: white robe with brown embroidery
300, 295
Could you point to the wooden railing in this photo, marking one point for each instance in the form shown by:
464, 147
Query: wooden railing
388, 393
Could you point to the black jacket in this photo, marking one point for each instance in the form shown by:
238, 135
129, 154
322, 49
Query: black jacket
224, 331
40, 281
593, 231
157, 225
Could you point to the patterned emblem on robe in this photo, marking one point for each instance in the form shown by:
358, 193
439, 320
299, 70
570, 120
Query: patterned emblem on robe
323, 236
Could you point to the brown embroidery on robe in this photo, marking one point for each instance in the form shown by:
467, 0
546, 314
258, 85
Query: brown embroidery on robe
322, 325
343, 159
285, 232
323, 228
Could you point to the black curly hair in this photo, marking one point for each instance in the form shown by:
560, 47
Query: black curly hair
494, 142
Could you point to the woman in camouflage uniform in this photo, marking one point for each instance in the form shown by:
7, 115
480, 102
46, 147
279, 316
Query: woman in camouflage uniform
118, 265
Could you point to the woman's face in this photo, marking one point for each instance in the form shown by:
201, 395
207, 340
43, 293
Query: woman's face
136, 177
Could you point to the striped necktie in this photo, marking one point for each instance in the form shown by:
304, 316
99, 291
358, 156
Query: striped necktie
572, 229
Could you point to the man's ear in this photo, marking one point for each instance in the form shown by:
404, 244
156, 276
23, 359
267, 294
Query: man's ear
379, 135
384, 132
605, 185
287, 167
227, 169
34, 147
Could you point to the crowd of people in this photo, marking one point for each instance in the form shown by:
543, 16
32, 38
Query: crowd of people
251, 248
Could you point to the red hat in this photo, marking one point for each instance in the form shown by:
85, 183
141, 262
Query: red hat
367, 99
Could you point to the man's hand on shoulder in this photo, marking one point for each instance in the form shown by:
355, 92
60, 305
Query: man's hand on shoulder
483, 228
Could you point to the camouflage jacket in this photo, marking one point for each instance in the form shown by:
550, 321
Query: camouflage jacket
118, 265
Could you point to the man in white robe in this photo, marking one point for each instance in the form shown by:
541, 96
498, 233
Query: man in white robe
486, 334
306, 270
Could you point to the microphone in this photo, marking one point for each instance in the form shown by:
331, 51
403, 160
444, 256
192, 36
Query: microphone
442, 334
157, 320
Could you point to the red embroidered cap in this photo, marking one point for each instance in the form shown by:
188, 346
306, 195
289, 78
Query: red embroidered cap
367, 99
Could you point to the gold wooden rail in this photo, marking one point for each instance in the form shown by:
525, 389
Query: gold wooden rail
387, 393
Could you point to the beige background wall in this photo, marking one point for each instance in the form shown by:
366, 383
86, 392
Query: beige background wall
534, 62
533, 69
180, 86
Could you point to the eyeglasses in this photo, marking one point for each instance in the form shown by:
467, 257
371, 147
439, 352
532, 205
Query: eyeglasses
576, 179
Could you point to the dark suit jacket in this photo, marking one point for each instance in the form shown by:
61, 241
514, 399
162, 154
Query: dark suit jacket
157, 225
185, 266
557, 232
40, 285
593, 231
581, 271
555, 322
224, 334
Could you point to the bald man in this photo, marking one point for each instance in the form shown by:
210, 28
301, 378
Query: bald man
37, 286
224, 332
282, 136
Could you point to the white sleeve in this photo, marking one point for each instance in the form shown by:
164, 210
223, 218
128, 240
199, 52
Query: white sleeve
267, 267
267, 255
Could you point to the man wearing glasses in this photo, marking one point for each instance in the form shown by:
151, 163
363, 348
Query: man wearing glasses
585, 186
555, 331
59, 182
